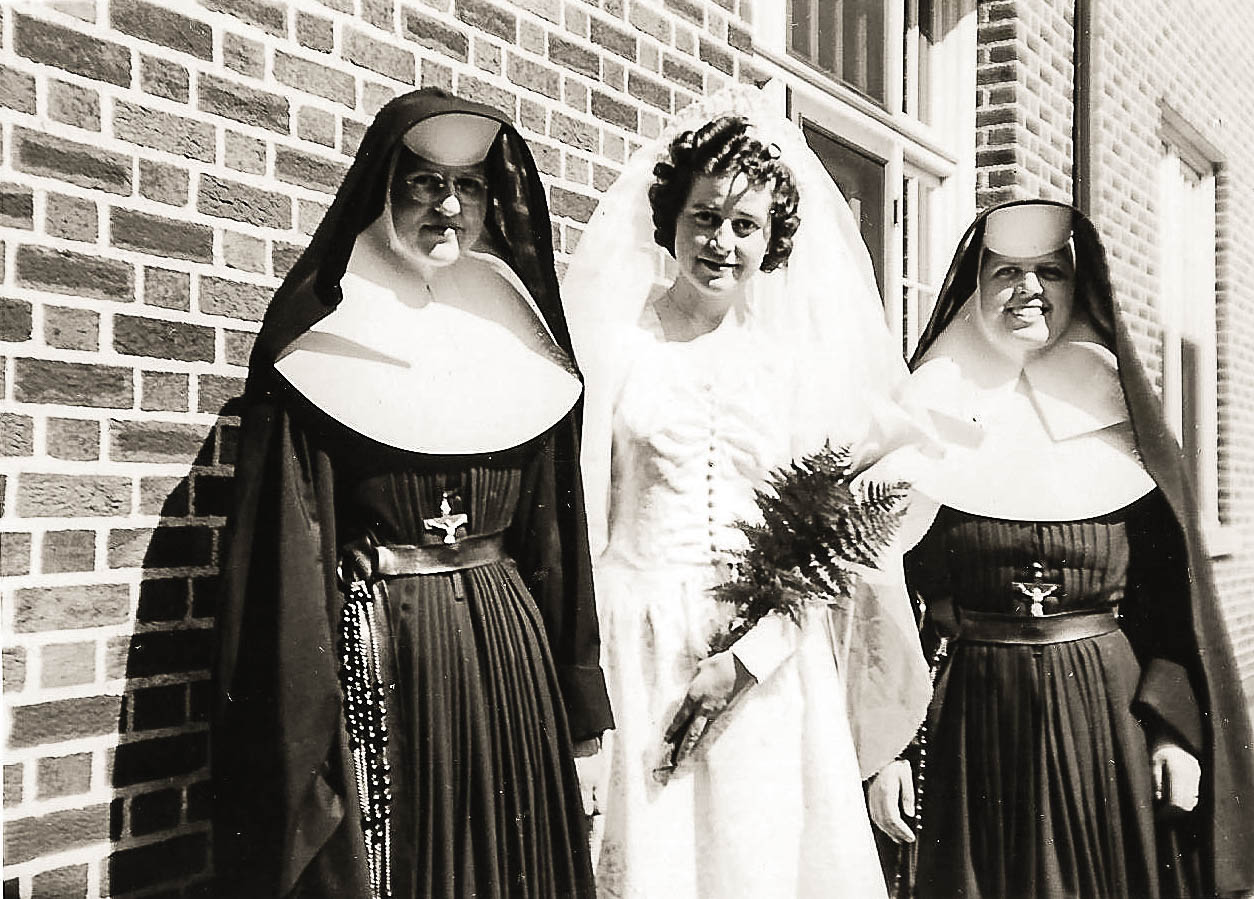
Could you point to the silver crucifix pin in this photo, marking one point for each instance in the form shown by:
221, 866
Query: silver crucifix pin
448, 520
1036, 591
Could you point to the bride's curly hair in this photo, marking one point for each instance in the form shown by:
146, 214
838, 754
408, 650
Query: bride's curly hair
723, 146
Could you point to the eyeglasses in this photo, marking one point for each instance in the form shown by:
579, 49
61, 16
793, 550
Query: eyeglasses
427, 187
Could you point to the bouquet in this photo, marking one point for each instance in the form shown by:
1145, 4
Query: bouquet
818, 529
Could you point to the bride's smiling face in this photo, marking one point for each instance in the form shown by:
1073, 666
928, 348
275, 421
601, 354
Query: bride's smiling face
722, 233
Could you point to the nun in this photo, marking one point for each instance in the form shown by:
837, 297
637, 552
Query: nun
1088, 735
407, 656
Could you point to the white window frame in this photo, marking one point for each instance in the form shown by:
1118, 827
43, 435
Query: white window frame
1187, 242
941, 152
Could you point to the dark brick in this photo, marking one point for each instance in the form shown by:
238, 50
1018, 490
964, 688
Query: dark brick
199, 801
153, 441
17, 434
160, 25
568, 204
74, 274
483, 15
655, 93
163, 78
72, 104
40, 495
12, 778
248, 105
235, 299
76, 439
574, 132
316, 126
132, 230
691, 10
81, 164
149, 760
268, 16
243, 203
15, 320
29, 838
215, 391
315, 78
14, 560
248, 57
363, 50
245, 154
434, 34
378, 13
17, 207
573, 56
214, 495
315, 32
72, 51
17, 90
682, 73
239, 346
205, 593
71, 329
139, 336
168, 289
73, 384
740, 38
299, 167
163, 496
434, 74
160, 599
163, 131
169, 652
714, 54
74, 218
65, 719
151, 812
283, 256
989, 158
485, 92
534, 76
614, 38
69, 551
158, 707
614, 111
163, 182
176, 859
60, 883
163, 391
243, 251
63, 775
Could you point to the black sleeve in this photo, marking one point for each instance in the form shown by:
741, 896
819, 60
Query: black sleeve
1157, 618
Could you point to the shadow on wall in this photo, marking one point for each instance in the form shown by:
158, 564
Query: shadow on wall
159, 819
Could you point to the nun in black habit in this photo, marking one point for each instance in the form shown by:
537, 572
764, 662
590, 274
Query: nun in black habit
408, 648
1088, 735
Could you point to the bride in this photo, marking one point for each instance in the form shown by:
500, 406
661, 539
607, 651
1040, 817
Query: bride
768, 340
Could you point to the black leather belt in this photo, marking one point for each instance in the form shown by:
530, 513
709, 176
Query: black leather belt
397, 560
985, 627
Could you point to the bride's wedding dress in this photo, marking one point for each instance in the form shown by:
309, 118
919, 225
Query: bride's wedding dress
771, 804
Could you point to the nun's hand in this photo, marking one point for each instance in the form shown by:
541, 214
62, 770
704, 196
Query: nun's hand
1177, 775
890, 800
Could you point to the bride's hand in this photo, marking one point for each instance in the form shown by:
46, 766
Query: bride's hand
589, 767
890, 793
717, 681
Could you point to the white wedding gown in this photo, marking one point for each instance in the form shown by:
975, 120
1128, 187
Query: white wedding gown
771, 804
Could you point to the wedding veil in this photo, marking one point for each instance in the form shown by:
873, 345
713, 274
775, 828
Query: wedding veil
823, 309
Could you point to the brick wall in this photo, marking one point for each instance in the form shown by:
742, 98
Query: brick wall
161, 168
1194, 57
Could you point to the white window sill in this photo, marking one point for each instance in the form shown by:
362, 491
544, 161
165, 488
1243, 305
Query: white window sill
1221, 540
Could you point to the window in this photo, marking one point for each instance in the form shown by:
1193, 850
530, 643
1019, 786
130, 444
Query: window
1187, 294
882, 91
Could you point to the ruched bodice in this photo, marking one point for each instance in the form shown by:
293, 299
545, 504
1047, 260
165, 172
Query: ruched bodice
697, 426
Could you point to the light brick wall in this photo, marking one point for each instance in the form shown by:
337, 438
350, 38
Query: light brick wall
1194, 56
162, 166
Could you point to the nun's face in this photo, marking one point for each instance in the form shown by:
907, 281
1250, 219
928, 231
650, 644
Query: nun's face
1026, 304
722, 233
438, 210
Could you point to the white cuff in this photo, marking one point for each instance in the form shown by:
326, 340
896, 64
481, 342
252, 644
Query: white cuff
767, 644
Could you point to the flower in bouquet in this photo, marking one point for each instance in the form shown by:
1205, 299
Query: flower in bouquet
820, 525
